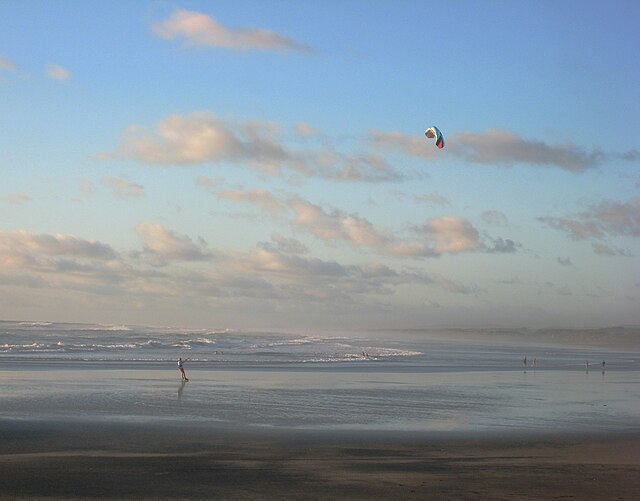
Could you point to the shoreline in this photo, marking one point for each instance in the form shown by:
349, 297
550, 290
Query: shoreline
42, 459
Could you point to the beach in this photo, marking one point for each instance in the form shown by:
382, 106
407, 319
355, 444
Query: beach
90, 412
107, 460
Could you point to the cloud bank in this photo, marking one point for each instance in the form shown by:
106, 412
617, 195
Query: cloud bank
170, 265
442, 235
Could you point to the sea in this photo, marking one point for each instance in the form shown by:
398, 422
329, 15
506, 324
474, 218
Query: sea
439, 380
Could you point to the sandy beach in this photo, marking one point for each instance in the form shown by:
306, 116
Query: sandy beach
109, 460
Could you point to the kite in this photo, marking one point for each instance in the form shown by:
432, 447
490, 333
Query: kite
432, 132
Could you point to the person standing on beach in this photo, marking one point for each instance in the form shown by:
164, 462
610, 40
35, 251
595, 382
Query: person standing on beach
181, 369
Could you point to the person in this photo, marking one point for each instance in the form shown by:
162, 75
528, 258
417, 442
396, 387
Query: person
181, 369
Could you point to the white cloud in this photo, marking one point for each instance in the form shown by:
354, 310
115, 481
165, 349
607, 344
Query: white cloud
336, 225
166, 244
451, 234
444, 235
23, 243
178, 140
280, 274
123, 188
260, 198
201, 30
201, 137
57, 72
498, 147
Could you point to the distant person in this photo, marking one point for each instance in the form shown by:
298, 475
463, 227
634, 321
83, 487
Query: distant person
603, 364
181, 369
524, 362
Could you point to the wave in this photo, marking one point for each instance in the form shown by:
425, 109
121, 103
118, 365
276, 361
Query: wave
125, 342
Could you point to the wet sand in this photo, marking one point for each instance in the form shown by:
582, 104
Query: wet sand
110, 460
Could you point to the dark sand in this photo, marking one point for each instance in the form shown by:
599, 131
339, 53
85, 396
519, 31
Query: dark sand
153, 461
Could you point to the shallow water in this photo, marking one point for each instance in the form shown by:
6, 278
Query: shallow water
314, 381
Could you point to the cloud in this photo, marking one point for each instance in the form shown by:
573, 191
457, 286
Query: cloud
57, 72
201, 30
576, 229
607, 250
455, 287
414, 146
288, 245
201, 137
122, 188
7, 64
502, 246
16, 198
262, 199
564, 261
631, 155
451, 234
86, 187
434, 199
601, 220
62, 263
24, 243
336, 225
178, 140
498, 147
443, 235
210, 184
616, 218
280, 274
494, 218
305, 130
329, 280
167, 245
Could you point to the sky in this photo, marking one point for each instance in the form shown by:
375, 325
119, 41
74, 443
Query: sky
263, 164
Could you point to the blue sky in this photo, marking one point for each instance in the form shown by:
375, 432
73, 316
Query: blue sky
256, 164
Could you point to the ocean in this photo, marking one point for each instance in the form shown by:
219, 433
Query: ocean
429, 381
